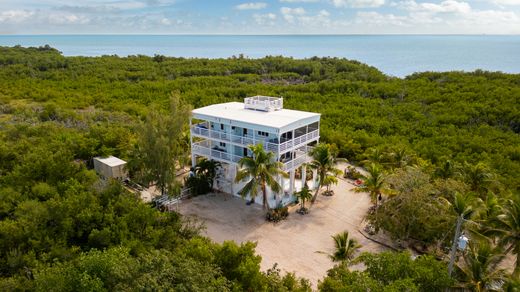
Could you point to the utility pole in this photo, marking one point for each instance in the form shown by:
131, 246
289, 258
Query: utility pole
454, 244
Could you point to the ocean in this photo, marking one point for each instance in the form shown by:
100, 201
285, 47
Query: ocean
395, 55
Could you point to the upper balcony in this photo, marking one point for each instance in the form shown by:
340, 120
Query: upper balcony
203, 148
274, 145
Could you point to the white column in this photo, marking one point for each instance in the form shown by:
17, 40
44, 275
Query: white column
291, 182
193, 157
304, 175
314, 178
193, 160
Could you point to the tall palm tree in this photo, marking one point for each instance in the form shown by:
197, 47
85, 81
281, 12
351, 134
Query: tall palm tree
324, 160
463, 206
508, 230
344, 248
374, 183
262, 171
478, 270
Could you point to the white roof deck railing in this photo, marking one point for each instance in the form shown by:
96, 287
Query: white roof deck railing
263, 103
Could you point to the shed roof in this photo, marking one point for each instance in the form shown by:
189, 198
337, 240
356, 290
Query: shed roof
111, 161
235, 111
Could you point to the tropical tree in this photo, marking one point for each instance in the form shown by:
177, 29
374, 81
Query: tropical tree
374, 155
374, 183
478, 176
445, 170
329, 180
303, 196
160, 145
208, 169
344, 248
508, 230
464, 207
324, 160
262, 171
478, 270
400, 157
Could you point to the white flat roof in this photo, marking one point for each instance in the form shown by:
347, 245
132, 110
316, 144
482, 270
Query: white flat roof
111, 161
235, 111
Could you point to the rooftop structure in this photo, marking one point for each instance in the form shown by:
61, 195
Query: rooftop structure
224, 131
263, 103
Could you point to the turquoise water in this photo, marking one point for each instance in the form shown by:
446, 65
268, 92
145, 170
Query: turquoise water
397, 55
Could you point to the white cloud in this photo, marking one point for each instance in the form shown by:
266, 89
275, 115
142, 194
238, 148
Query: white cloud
265, 19
448, 6
299, 1
445, 17
15, 16
507, 2
290, 13
358, 3
251, 6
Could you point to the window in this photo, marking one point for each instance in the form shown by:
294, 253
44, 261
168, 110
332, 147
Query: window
261, 133
222, 126
232, 127
222, 144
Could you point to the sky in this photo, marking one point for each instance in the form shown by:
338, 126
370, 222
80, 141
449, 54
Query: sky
260, 17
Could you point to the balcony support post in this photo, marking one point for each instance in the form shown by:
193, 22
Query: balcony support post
304, 174
291, 182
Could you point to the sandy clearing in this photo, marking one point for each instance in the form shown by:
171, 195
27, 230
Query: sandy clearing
292, 243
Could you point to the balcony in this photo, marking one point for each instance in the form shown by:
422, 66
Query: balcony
301, 157
203, 149
201, 130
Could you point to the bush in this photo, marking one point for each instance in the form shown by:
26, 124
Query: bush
277, 214
198, 185
351, 173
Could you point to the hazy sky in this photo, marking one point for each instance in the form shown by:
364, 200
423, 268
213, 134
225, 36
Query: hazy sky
260, 17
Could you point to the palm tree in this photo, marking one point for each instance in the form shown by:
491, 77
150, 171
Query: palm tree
400, 157
463, 206
262, 170
478, 270
324, 160
508, 230
345, 248
375, 155
303, 195
208, 169
446, 170
329, 180
477, 176
374, 183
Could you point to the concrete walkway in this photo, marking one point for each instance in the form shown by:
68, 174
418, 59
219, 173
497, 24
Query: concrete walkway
291, 243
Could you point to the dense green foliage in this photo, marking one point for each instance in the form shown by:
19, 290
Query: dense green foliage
389, 271
61, 228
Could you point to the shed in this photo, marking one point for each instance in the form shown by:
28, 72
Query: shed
110, 167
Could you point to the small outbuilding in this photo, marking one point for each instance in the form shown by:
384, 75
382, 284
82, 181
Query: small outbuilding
110, 167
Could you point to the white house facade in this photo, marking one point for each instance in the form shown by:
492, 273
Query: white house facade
223, 132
